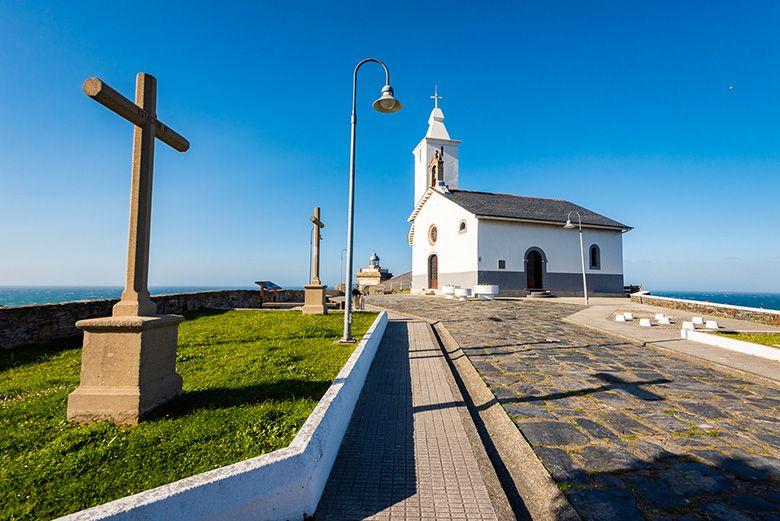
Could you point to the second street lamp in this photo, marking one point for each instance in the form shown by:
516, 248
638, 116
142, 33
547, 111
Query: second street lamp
387, 103
570, 226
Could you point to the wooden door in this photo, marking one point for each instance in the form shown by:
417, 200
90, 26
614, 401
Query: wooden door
433, 272
533, 264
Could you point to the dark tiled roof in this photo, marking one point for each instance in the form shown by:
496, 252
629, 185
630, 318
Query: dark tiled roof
533, 208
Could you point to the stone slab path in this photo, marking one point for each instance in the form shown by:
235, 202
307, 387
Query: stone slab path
668, 337
406, 454
627, 432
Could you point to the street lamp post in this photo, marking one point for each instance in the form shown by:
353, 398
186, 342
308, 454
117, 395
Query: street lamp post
570, 226
341, 267
387, 103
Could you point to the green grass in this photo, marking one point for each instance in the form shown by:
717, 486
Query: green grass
251, 378
767, 339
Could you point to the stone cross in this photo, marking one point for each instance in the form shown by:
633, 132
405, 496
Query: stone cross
135, 299
128, 362
318, 224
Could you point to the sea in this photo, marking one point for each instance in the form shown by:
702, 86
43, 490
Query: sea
28, 295
752, 300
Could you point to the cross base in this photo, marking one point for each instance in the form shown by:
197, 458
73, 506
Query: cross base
128, 367
314, 300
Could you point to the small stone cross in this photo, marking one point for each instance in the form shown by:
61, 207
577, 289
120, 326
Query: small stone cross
436, 97
135, 299
318, 224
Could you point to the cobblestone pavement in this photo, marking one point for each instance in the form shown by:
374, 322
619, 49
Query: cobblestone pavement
406, 454
627, 432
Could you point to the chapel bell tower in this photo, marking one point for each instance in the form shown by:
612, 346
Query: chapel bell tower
435, 156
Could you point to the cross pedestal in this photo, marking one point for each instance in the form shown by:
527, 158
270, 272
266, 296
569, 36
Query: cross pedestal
128, 363
314, 299
128, 367
314, 292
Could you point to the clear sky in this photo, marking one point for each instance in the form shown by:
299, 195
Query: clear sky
662, 115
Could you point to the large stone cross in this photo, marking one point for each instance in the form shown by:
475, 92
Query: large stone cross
128, 362
318, 224
143, 114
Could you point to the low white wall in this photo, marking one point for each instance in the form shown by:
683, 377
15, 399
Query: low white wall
749, 348
284, 484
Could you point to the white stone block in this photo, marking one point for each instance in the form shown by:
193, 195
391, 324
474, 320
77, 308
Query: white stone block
659, 316
628, 315
665, 321
486, 291
697, 321
645, 322
462, 293
690, 326
712, 324
620, 318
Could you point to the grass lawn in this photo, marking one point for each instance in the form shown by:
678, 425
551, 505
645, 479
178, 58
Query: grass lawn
251, 378
767, 339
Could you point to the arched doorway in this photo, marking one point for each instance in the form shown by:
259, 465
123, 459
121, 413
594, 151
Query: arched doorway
534, 269
433, 272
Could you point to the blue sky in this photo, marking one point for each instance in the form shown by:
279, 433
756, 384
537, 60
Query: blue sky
663, 115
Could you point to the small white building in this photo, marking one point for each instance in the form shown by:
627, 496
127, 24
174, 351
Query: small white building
466, 238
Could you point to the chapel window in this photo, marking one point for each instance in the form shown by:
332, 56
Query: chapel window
462, 227
433, 234
595, 257
501, 264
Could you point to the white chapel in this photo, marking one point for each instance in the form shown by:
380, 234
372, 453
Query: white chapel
465, 238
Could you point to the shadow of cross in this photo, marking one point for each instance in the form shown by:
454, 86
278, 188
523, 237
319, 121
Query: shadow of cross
614, 383
632, 388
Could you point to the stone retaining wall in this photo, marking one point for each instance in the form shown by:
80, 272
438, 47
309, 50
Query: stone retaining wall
762, 316
25, 325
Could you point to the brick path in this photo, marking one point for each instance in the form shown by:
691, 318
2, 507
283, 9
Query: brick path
627, 432
406, 454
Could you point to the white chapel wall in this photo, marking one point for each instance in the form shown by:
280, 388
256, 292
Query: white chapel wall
509, 241
457, 252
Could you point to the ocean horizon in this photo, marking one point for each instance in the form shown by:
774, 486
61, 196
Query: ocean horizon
761, 300
32, 295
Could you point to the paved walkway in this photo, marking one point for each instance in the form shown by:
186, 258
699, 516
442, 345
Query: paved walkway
626, 431
406, 454
602, 316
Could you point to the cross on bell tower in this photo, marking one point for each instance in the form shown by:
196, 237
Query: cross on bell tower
436, 97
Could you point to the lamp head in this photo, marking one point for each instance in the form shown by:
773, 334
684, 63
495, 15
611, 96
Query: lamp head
568, 224
387, 103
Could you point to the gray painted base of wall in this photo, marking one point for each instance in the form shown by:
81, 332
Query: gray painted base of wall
557, 283
562, 284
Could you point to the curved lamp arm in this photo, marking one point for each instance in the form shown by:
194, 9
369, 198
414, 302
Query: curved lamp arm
579, 217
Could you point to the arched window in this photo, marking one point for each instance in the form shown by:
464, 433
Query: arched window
462, 227
595, 257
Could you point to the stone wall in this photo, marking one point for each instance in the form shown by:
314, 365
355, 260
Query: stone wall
762, 316
25, 325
